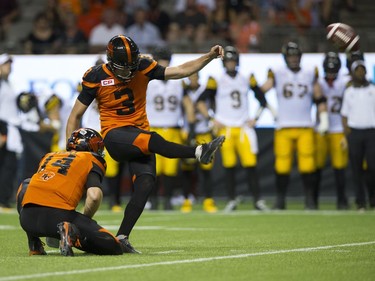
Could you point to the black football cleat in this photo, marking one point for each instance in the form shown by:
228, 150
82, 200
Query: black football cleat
36, 248
209, 149
126, 246
68, 237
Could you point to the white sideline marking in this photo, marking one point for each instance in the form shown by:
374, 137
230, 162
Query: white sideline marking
170, 252
91, 270
8, 227
166, 228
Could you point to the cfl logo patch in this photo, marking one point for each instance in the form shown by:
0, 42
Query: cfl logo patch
107, 82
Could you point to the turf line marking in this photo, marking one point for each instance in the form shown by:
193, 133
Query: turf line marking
170, 252
100, 269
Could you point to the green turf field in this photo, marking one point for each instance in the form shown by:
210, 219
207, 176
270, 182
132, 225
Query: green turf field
288, 245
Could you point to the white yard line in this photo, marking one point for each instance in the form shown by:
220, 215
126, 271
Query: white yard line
240, 256
169, 252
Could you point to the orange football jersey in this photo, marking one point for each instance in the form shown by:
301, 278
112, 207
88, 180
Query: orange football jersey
119, 104
61, 179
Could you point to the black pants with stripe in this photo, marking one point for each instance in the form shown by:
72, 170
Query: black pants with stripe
41, 221
362, 148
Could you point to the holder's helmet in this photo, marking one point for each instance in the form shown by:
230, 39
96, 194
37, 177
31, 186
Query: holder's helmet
331, 64
291, 49
86, 139
123, 57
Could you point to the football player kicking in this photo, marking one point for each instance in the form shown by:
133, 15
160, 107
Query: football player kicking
120, 90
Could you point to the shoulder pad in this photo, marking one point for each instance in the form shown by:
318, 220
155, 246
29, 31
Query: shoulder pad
95, 74
270, 74
100, 159
211, 83
53, 102
146, 64
316, 73
349, 83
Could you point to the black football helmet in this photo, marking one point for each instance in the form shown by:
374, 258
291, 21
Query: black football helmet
331, 65
231, 53
27, 101
352, 57
123, 57
86, 139
291, 49
162, 53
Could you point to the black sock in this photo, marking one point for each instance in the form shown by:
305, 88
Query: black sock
187, 183
169, 184
207, 183
317, 181
230, 179
131, 215
142, 189
309, 183
253, 182
282, 182
342, 200
168, 149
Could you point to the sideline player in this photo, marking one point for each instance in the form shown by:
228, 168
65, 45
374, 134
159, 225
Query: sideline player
333, 86
230, 92
296, 89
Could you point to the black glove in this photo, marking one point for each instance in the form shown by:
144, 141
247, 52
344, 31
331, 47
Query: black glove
259, 95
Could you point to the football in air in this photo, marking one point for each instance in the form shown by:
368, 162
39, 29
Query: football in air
343, 36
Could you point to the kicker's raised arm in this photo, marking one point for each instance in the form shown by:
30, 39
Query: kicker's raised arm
190, 67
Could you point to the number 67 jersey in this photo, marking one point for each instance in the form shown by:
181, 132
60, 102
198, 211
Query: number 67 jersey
295, 96
61, 179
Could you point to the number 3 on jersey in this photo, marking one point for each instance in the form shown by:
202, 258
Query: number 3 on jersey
128, 101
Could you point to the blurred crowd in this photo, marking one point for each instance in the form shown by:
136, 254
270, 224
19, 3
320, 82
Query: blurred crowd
185, 26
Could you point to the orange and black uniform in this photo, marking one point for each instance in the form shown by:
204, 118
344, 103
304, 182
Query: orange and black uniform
125, 129
52, 194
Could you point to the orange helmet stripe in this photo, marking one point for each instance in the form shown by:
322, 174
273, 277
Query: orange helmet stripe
127, 47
